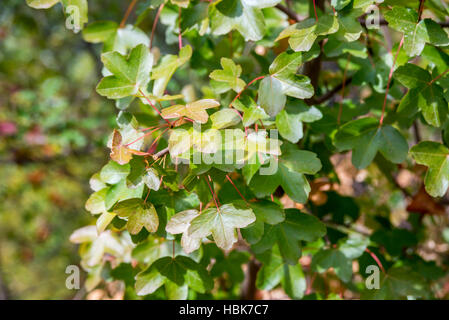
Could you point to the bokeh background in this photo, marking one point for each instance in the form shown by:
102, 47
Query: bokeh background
52, 131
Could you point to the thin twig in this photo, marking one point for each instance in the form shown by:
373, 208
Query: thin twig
328, 95
421, 9
390, 76
373, 255
213, 193
127, 13
160, 153
240, 93
156, 19
235, 187
153, 106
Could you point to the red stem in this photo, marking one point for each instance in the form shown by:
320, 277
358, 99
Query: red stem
140, 138
235, 187
314, 8
438, 77
156, 140
146, 198
153, 106
156, 19
373, 255
240, 93
390, 76
212, 192
127, 13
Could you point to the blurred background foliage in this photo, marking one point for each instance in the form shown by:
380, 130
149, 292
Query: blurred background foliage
53, 128
53, 132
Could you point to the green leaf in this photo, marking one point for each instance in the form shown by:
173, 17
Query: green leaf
76, 11
424, 95
399, 283
129, 74
271, 97
289, 126
231, 264
297, 86
229, 75
261, 3
412, 76
224, 118
267, 211
340, 4
177, 273
237, 15
139, 215
334, 47
193, 110
41, 4
149, 281
166, 68
332, 258
284, 69
288, 62
303, 34
350, 29
119, 192
290, 175
181, 3
151, 179
365, 138
221, 224
99, 31
297, 227
416, 33
435, 156
251, 111
136, 173
96, 202
180, 223
354, 246
275, 271
114, 172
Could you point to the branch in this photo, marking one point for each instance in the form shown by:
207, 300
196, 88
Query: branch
290, 13
298, 18
328, 95
421, 9
248, 288
160, 154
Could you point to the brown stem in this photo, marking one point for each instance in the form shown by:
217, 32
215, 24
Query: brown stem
290, 13
312, 69
416, 132
421, 9
328, 95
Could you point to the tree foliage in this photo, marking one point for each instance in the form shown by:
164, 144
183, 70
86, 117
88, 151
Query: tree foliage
176, 222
